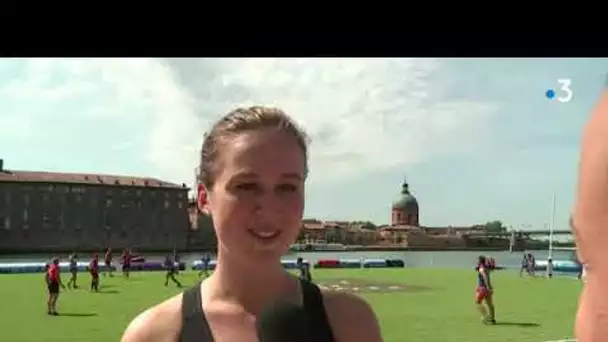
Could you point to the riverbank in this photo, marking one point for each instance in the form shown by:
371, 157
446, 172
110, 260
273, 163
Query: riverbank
348, 249
418, 249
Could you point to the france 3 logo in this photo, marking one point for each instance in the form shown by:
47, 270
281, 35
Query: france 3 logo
563, 93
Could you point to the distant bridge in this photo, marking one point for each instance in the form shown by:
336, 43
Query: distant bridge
525, 232
544, 232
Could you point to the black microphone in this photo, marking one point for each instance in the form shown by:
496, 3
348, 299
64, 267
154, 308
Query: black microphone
283, 322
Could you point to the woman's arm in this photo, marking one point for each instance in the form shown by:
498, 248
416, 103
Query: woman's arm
590, 225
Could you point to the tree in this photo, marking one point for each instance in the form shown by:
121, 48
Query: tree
331, 236
495, 227
301, 236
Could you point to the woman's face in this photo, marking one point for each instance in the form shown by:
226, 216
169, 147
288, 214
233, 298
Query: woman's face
257, 200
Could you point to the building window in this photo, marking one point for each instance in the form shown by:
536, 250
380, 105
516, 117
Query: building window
166, 204
45, 199
26, 215
5, 223
77, 225
79, 198
45, 221
26, 200
77, 190
108, 203
180, 204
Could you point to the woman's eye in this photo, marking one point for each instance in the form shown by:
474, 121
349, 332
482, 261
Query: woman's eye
287, 188
247, 186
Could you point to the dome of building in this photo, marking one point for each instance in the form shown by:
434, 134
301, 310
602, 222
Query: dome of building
405, 209
406, 201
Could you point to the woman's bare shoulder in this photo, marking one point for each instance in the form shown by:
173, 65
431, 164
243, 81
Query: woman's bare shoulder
351, 318
161, 322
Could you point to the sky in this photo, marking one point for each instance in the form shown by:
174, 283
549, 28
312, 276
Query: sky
477, 139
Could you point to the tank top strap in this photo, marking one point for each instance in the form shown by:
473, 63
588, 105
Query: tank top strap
315, 309
194, 324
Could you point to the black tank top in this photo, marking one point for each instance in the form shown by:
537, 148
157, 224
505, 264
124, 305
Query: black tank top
196, 329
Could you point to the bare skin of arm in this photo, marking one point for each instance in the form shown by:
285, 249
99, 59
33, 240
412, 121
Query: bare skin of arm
161, 323
350, 317
484, 276
590, 225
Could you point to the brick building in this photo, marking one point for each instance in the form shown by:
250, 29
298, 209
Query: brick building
44, 211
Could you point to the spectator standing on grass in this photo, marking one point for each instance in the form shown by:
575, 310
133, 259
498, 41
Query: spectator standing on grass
550, 268
205, 260
253, 172
73, 266
108, 261
524, 265
531, 265
304, 269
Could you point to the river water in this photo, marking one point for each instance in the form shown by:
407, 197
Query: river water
447, 259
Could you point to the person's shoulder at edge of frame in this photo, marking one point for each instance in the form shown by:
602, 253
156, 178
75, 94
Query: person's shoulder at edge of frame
159, 323
351, 317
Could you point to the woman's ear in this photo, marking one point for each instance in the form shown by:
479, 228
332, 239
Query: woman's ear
203, 199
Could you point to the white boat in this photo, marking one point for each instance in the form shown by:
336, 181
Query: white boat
565, 266
318, 246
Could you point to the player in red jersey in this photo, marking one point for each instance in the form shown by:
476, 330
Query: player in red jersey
94, 270
53, 283
126, 262
484, 291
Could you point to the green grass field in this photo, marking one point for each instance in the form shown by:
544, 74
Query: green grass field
528, 309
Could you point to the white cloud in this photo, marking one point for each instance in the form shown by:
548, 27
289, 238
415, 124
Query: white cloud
136, 92
363, 114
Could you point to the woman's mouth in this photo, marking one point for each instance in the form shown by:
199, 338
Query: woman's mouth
264, 235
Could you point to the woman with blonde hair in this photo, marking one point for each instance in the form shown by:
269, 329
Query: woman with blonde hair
254, 164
